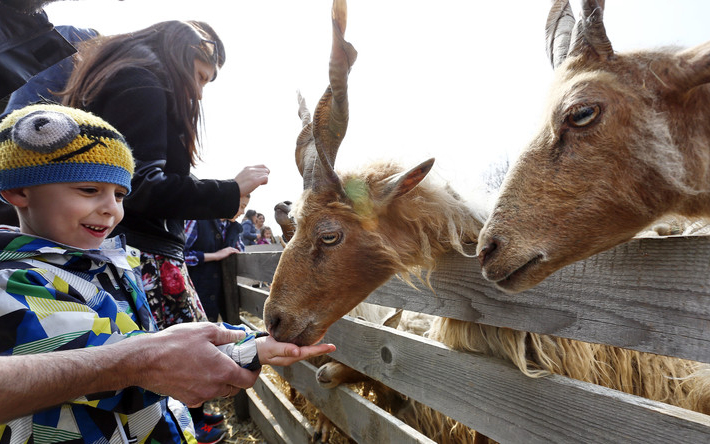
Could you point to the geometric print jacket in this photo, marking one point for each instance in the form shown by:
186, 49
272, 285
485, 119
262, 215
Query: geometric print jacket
56, 297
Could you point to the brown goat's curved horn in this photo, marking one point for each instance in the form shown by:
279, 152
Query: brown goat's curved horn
589, 32
305, 139
330, 120
558, 30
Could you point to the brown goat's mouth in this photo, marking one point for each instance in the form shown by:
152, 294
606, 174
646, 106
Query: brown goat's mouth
519, 279
309, 336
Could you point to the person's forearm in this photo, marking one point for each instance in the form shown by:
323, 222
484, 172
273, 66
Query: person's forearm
30, 383
216, 256
171, 362
211, 257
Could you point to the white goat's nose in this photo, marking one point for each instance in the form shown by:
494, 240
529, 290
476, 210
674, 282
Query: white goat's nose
489, 247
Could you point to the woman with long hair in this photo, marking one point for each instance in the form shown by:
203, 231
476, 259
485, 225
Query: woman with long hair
148, 84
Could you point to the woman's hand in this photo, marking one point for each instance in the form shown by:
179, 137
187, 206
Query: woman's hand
252, 177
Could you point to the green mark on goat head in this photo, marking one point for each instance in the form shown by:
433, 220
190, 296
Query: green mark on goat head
359, 193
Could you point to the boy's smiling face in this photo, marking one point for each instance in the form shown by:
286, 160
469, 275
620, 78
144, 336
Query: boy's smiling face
80, 214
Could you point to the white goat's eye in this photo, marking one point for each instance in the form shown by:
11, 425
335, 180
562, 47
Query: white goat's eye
330, 238
583, 115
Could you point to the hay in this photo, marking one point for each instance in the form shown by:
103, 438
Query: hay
244, 432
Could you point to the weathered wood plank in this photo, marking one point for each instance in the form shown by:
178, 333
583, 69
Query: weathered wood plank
292, 422
649, 295
232, 306
495, 398
252, 299
357, 417
258, 265
269, 428
229, 284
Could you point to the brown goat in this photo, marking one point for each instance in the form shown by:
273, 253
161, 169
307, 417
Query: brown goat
625, 141
346, 222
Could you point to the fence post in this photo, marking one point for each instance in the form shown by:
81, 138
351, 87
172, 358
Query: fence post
232, 305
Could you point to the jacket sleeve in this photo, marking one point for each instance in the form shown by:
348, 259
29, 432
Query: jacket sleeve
192, 257
136, 104
73, 314
244, 352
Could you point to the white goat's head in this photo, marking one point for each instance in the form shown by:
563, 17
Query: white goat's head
625, 140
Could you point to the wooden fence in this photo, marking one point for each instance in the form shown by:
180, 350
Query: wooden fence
651, 295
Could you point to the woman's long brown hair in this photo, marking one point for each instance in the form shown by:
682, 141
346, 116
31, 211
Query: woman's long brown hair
169, 50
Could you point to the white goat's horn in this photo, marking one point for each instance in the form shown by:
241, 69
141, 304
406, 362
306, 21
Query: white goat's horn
589, 31
558, 30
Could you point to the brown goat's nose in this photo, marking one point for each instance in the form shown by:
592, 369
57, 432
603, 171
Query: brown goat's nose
272, 323
487, 250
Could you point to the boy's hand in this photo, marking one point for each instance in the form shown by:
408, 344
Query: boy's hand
284, 353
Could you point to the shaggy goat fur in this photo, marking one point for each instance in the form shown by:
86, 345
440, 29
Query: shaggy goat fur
661, 378
413, 229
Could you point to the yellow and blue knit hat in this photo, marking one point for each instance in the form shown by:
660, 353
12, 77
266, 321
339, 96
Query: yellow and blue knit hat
48, 143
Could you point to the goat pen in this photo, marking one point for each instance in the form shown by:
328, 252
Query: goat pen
650, 295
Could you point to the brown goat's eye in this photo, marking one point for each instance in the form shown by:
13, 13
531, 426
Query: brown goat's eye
583, 115
331, 238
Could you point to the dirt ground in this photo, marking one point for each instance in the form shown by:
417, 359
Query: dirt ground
245, 432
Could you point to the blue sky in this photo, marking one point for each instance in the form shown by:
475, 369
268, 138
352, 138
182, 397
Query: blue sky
460, 80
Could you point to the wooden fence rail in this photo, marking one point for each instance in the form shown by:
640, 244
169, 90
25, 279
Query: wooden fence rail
650, 295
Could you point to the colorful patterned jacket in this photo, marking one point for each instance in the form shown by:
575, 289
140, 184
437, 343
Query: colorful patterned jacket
93, 298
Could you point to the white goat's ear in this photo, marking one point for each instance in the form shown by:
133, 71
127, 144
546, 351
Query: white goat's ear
404, 182
694, 66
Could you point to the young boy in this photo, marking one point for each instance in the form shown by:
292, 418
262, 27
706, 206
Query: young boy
67, 289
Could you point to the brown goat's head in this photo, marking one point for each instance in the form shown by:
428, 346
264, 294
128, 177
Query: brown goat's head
341, 252
624, 141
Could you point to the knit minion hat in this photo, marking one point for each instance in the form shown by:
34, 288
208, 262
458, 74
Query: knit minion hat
47, 143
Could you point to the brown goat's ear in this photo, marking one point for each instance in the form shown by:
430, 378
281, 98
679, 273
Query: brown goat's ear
694, 67
404, 182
